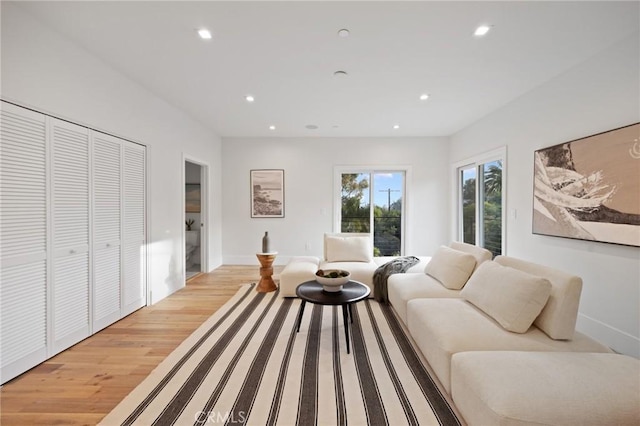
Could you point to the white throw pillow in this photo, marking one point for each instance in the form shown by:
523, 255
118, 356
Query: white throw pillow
348, 249
451, 267
558, 317
512, 297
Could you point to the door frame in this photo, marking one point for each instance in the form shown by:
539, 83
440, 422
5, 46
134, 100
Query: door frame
406, 239
456, 205
204, 212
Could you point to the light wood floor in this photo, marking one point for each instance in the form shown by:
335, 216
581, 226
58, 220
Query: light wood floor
84, 383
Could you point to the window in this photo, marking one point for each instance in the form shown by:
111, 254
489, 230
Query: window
480, 201
385, 220
468, 178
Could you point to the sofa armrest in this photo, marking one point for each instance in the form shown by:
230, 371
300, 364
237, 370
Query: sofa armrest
298, 270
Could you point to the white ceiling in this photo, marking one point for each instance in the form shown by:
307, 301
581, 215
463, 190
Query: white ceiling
285, 54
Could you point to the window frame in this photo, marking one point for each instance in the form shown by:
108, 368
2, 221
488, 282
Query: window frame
499, 154
338, 171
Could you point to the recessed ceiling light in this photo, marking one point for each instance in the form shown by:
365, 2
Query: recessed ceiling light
249, 98
204, 33
272, 127
424, 96
344, 33
311, 126
340, 73
396, 126
482, 30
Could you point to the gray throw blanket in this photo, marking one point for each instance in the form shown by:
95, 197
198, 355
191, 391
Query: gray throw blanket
383, 272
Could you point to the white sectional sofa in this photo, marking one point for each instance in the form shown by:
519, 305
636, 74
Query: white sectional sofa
546, 388
405, 287
352, 252
444, 327
499, 335
505, 348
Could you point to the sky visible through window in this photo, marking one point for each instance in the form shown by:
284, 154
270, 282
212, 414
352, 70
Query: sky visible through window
387, 187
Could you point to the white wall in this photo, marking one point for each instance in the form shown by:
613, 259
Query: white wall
601, 94
309, 195
44, 71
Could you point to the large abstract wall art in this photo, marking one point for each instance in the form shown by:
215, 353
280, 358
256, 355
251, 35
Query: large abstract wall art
589, 188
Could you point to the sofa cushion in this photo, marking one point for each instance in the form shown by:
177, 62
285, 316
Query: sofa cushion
452, 268
404, 287
558, 317
443, 327
512, 297
348, 248
481, 254
298, 270
544, 388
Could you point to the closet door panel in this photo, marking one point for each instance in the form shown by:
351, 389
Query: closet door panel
70, 186
106, 287
134, 255
106, 190
70, 231
107, 170
24, 318
23, 240
23, 187
71, 301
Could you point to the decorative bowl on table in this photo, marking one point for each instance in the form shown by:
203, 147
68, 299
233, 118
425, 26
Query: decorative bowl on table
332, 280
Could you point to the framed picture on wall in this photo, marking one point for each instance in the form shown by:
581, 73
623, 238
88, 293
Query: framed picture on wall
192, 198
589, 188
267, 193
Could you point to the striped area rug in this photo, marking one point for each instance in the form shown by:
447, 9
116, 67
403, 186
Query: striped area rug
247, 365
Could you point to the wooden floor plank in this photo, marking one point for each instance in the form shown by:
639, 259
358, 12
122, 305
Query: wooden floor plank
82, 384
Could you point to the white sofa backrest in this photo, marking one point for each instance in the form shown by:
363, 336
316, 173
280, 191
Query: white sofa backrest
348, 235
558, 317
481, 254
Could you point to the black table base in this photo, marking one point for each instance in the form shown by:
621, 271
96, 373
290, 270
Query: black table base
352, 292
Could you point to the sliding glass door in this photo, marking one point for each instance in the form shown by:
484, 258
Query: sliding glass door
384, 217
468, 192
490, 194
480, 203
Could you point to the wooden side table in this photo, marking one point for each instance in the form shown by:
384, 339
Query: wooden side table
266, 283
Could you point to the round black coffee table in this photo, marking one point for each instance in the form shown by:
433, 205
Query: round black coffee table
352, 292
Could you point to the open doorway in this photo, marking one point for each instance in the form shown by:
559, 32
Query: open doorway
194, 214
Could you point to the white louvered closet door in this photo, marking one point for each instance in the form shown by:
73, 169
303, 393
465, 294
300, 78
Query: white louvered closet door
107, 170
70, 233
133, 219
23, 240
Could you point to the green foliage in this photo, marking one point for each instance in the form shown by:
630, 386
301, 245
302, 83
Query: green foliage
387, 230
351, 188
355, 216
492, 220
493, 227
469, 223
493, 181
469, 191
493, 208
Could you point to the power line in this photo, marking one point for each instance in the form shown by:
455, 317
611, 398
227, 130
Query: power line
389, 191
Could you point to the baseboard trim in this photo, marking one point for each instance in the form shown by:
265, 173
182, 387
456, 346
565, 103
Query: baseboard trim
253, 260
618, 340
